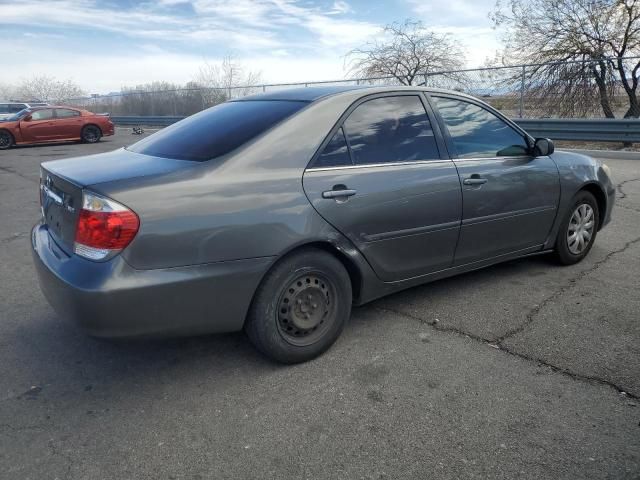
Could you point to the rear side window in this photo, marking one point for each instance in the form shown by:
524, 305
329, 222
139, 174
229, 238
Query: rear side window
478, 133
391, 129
217, 130
66, 113
335, 154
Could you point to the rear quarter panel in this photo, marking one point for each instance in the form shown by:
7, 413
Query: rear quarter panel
249, 204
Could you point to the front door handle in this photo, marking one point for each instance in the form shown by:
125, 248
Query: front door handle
341, 193
474, 180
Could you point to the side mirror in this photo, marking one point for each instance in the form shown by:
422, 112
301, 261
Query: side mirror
543, 147
27, 118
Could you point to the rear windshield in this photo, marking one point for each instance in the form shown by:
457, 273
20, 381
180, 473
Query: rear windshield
216, 131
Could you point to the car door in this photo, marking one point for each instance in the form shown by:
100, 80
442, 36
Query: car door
509, 196
68, 123
40, 127
381, 180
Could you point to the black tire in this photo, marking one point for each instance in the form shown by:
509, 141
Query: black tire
301, 307
91, 134
564, 253
6, 140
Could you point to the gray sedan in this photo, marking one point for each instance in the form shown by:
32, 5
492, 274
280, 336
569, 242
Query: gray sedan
276, 213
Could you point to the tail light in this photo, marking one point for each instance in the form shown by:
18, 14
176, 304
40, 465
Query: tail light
104, 227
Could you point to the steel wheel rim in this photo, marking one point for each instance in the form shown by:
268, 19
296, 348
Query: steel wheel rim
306, 309
580, 229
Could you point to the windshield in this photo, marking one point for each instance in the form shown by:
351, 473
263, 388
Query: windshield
217, 130
18, 116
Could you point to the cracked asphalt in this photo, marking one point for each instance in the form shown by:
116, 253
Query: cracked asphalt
522, 370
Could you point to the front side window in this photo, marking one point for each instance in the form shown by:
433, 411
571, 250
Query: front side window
66, 113
391, 129
42, 115
217, 130
478, 133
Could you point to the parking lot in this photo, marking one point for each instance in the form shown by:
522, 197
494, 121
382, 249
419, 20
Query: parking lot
523, 370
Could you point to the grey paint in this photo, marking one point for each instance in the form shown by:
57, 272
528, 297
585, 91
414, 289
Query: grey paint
515, 209
231, 218
395, 244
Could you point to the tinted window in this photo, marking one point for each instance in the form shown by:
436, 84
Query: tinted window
390, 129
64, 113
42, 114
216, 131
335, 154
4, 108
477, 132
16, 107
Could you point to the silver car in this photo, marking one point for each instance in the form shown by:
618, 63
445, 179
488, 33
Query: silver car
276, 213
8, 109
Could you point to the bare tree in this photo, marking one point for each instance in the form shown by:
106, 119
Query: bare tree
48, 88
225, 80
7, 92
406, 51
584, 44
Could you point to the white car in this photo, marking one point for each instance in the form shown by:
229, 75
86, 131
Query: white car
9, 108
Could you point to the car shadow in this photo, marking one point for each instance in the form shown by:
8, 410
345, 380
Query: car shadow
54, 351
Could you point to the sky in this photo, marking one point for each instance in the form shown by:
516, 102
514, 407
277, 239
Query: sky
103, 45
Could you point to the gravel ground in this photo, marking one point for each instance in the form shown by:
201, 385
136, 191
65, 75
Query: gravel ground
521, 370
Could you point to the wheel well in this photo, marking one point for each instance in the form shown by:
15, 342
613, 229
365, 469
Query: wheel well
354, 272
92, 125
7, 131
601, 199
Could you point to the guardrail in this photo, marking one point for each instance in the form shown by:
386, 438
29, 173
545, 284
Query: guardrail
595, 130
151, 121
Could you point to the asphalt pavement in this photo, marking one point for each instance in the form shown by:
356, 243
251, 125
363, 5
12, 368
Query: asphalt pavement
522, 370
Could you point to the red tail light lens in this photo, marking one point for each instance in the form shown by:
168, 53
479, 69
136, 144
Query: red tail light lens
104, 227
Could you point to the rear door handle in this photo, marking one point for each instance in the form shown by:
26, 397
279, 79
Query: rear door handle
339, 193
474, 181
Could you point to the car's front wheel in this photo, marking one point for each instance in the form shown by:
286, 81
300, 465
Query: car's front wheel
301, 307
578, 229
6, 140
91, 134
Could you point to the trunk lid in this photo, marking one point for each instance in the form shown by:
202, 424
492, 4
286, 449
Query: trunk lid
116, 165
61, 201
62, 182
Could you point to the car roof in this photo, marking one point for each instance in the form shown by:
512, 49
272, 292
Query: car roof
47, 107
303, 94
314, 93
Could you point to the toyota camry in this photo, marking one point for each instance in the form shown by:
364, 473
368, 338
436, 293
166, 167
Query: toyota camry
276, 213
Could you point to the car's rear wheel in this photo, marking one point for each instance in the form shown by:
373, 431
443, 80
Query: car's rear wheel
578, 229
6, 140
91, 134
301, 307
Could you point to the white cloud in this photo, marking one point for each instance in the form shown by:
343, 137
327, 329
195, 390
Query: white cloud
340, 7
288, 40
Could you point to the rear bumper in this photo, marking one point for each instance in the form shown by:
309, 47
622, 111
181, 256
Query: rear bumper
112, 299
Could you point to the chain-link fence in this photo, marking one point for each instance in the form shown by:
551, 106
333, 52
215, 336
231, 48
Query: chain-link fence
562, 90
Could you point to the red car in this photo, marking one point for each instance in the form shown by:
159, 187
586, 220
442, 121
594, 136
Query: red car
53, 124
